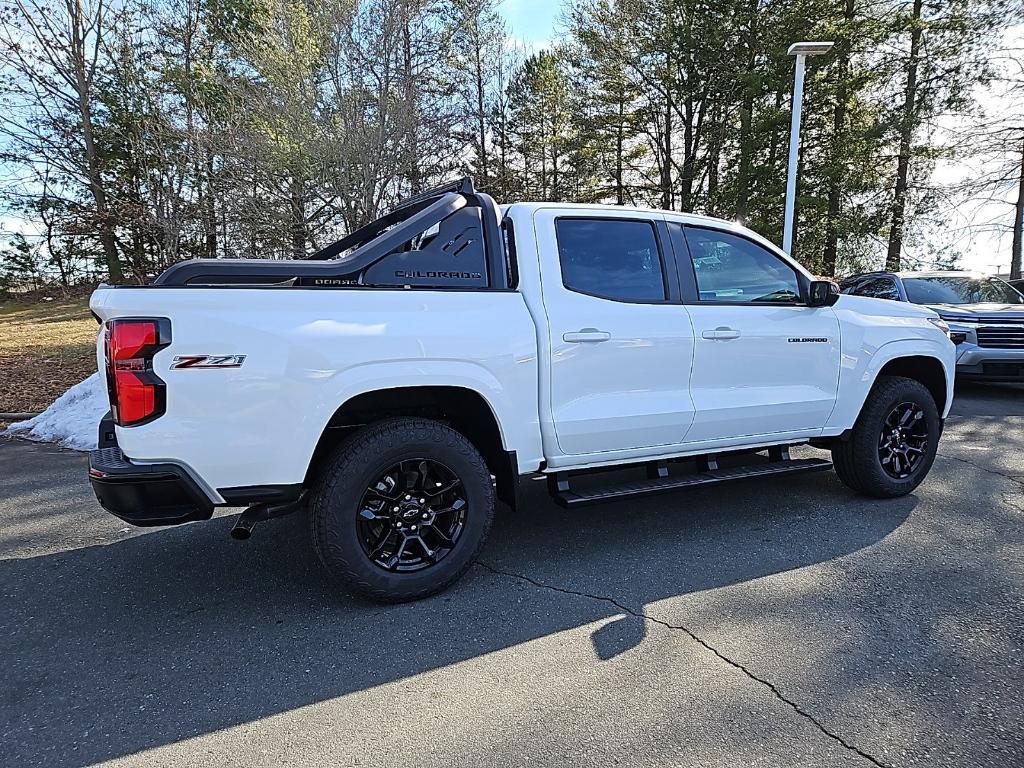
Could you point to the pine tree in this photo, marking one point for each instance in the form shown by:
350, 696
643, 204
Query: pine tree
540, 113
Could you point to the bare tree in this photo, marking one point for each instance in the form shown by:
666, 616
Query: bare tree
993, 144
53, 51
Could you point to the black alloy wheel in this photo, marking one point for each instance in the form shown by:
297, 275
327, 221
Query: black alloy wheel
412, 516
893, 443
400, 509
903, 441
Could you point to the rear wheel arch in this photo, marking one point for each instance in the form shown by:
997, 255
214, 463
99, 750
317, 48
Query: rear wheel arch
462, 408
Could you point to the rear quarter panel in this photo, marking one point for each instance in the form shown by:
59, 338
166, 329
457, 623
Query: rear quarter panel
309, 351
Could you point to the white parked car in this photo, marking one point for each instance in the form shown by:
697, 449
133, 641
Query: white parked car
402, 379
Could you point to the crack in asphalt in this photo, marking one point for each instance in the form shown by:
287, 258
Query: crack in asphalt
1007, 499
970, 463
703, 643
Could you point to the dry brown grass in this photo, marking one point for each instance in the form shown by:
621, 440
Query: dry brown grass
45, 347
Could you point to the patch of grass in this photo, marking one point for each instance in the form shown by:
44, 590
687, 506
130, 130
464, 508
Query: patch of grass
46, 346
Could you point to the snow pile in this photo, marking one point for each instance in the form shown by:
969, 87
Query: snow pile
72, 420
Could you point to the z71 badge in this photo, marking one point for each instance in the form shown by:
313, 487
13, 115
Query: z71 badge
208, 361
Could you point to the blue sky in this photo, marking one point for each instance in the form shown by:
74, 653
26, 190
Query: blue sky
532, 21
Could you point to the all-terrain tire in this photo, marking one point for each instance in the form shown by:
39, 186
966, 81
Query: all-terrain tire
344, 477
857, 460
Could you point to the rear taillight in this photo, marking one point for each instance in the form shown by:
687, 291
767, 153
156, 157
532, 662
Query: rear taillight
137, 394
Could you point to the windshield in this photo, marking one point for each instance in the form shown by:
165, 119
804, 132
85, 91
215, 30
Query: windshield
960, 290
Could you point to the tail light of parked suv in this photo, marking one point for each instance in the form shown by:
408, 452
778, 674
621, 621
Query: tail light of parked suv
137, 394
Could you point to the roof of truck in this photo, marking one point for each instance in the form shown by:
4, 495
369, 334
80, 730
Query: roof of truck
528, 208
691, 217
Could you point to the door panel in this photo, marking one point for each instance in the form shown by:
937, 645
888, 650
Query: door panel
620, 361
775, 370
763, 362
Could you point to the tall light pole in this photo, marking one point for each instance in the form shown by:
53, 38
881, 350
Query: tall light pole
801, 51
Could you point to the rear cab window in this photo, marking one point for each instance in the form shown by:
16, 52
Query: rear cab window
616, 259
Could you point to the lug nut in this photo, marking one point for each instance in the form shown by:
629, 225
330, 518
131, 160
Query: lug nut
425, 515
413, 527
395, 509
421, 501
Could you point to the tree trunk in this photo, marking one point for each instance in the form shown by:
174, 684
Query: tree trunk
138, 259
553, 138
689, 152
412, 160
836, 174
210, 212
82, 86
298, 220
776, 173
714, 160
1017, 250
666, 160
773, 145
743, 175
480, 115
620, 128
899, 200
51, 247
542, 150
746, 138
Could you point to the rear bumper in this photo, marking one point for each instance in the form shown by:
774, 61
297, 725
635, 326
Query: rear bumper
146, 494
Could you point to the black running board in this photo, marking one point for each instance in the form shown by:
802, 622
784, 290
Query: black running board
566, 497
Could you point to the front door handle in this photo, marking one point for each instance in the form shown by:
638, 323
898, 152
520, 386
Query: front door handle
586, 334
721, 333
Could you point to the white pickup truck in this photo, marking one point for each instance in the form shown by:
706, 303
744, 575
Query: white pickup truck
402, 379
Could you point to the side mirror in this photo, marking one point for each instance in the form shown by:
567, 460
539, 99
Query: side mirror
822, 293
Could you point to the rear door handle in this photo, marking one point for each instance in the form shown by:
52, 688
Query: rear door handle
721, 333
586, 334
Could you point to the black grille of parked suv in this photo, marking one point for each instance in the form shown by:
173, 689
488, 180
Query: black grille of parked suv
1002, 337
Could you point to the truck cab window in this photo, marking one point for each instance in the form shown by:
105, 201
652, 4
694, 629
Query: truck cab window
878, 288
614, 259
732, 269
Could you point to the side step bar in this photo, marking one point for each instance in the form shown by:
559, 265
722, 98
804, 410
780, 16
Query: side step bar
660, 482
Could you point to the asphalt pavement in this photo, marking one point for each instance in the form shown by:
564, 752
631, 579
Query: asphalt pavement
763, 623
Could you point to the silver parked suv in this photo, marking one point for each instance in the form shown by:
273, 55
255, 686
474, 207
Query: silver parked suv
985, 315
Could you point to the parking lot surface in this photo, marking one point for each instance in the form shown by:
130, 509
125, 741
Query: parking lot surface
760, 623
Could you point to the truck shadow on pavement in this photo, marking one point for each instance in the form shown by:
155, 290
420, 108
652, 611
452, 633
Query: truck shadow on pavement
161, 636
